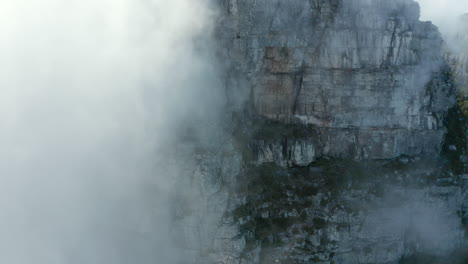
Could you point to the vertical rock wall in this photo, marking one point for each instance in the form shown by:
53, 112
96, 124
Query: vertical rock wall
359, 70
338, 122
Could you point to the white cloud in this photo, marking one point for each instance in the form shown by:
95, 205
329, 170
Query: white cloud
445, 14
442, 12
88, 90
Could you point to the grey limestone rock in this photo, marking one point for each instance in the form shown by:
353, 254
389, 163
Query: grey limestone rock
357, 80
369, 70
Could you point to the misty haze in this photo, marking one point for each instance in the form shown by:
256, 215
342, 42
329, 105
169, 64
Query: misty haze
233, 131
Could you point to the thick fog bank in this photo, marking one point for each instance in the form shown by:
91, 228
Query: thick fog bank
446, 14
442, 12
91, 92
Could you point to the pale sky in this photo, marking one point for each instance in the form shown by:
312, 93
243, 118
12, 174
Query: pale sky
442, 12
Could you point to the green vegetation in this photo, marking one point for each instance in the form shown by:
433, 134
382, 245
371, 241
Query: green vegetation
268, 190
320, 223
455, 144
340, 174
278, 200
267, 130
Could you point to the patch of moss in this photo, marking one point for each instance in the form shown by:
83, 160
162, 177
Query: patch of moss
269, 130
319, 223
342, 174
307, 190
241, 212
343, 226
456, 142
397, 164
275, 200
378, 190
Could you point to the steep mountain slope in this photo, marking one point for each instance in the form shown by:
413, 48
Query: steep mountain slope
357, 70
346, 143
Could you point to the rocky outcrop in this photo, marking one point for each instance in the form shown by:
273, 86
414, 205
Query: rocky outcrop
339, 110
339, 211
359, 70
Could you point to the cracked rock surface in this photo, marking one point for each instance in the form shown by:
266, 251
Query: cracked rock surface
344, 144
369, 74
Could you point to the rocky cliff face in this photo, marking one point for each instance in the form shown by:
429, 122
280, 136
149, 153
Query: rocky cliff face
340, 113
357, 70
